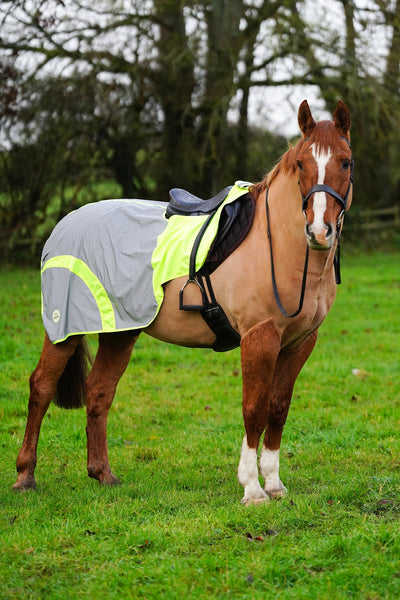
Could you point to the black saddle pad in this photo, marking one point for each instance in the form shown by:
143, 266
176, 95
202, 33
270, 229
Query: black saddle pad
235, 222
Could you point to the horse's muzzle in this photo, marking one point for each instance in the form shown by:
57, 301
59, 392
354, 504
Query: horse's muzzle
322, 239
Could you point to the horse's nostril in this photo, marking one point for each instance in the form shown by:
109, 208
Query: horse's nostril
308, 231
329, 230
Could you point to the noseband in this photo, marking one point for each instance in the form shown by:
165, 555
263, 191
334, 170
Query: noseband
321, 187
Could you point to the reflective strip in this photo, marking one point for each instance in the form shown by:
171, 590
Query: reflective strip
81, 270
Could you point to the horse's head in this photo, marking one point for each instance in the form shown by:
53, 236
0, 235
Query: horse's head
325, 169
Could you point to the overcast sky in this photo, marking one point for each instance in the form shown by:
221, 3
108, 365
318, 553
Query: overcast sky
275, 108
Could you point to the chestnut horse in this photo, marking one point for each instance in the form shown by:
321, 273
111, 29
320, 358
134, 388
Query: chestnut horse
276, 289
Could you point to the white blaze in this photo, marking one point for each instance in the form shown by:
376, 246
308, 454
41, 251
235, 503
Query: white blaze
322, 158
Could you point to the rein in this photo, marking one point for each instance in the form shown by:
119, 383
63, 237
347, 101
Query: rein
336, 261
274, 286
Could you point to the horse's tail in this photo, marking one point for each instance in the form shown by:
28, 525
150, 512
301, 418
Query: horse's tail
71, 385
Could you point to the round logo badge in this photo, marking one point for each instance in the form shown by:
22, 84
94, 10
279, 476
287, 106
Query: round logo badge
56, 316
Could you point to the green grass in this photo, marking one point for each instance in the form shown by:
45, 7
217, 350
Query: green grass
176, 526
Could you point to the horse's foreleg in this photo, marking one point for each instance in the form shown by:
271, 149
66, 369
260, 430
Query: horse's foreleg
111, 361
287, 368
259, 350
43, 386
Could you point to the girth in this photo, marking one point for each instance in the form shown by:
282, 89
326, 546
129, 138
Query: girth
235, 221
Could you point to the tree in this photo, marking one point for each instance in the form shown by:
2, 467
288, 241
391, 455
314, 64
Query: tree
159, 91
40, 161
186, 82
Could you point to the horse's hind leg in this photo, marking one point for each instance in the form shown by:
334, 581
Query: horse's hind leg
111, 361
43, 386
288, 366
259, 350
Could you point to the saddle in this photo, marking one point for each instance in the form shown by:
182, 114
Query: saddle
235, 221
184, 203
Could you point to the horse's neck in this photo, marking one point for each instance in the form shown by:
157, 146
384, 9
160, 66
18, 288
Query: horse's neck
286, 217
243, 282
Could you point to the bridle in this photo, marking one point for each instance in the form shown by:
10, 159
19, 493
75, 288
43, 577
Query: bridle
321, 187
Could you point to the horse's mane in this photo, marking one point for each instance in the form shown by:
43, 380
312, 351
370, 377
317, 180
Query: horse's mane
321, 135
286, 163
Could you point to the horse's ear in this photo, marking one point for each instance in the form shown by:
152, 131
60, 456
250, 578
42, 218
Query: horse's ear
341, 117
305, 118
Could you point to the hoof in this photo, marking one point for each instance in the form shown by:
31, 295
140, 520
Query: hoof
24, 484
278, 493
254, 501
110, 481
103, 476
250, 501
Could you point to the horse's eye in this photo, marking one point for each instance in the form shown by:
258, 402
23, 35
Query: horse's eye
300, 165
345, 164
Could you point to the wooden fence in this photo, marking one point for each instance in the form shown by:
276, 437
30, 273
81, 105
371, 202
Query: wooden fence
381, 218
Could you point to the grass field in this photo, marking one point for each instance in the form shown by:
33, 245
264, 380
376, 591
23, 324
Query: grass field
176, 528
